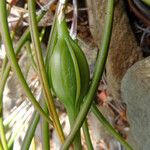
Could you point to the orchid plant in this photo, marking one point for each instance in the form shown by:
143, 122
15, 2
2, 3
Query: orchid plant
64, 74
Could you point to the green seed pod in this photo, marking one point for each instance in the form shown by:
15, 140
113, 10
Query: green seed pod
68, 69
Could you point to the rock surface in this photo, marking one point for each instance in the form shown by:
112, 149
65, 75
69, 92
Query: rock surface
135, 90
123, 51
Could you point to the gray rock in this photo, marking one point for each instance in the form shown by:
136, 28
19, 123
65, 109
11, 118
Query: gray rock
135, 89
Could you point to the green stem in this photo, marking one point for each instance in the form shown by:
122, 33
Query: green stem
3, 137
5, 72
5, 61
72, 114
1, 147
100, 64
6, 67
2, 131
30, 132
87, 135
29, 50
28, 47
109, 128
42, 34
21, 42
42, 71
11, 54
45, 131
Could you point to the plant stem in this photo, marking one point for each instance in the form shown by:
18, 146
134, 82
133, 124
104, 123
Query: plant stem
30, 132
42, 71
100, 64
28, 47
21, 42
6, 69
1, 147
42, 33
3, 137
5, 72
2, 131
72, 114
109, 128
29, 50
45, 130
87, 135
11, 54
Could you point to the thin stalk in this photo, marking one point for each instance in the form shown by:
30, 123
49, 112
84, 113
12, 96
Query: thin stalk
87, 135
3, 137
42, 71
45, 131
11, 55
6, 66
6, 69
21, 42
1, 147
109, 128
100, 64
42, 34
28, 47
2, 85
2, 130
29, 50
72, 114
30, 132
5, 60
32, 127
73, 34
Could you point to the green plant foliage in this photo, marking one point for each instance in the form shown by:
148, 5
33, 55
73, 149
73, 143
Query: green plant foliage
68, 73
68, 69
68, 76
